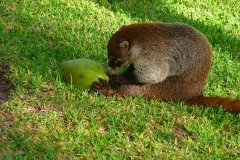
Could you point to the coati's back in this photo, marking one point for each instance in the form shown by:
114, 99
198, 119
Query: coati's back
186, 50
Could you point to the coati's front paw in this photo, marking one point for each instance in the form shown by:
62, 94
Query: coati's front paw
102, 87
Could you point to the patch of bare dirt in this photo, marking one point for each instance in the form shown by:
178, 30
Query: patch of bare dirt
5, 83
179, 132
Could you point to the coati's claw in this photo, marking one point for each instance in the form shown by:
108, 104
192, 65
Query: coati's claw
102, 87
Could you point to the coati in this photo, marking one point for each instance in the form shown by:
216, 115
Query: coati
167, 61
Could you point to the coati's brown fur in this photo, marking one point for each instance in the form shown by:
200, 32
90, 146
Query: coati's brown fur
167, 61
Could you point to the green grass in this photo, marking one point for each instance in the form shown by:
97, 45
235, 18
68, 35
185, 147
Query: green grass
46, 119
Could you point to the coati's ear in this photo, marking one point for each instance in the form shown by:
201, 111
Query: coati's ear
124, 45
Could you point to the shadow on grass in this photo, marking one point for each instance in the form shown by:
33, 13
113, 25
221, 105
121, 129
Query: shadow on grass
20, 146
160, 11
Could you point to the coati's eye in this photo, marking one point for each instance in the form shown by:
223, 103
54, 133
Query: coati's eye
114, 62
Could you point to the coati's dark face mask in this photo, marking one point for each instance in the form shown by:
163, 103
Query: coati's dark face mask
117, 56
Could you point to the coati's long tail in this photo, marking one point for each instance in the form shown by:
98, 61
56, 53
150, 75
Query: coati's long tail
226, 103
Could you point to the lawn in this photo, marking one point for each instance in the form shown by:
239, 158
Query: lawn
47, 119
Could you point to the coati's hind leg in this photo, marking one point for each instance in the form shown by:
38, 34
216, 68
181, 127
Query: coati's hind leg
165, 90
